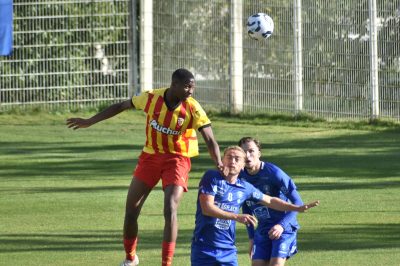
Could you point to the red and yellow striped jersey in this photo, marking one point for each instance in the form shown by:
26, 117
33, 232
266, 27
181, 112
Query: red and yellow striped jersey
170, 131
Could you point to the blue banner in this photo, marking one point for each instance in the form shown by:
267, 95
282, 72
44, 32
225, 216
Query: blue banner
6, 27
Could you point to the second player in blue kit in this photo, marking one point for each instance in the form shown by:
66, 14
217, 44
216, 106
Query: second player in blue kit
275, 238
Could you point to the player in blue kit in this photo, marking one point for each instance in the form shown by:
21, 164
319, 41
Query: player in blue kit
274, 239
219, 200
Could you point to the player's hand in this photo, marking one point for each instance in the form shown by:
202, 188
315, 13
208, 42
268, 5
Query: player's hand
275, 232
247, 219
224, 171
76, 123
313, 204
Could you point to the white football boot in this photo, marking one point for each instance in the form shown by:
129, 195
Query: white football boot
135, 262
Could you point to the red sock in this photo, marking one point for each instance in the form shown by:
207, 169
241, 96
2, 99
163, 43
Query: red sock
130, 248
168, 249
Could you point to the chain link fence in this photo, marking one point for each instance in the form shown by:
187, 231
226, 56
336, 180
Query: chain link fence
87, 52
67, 52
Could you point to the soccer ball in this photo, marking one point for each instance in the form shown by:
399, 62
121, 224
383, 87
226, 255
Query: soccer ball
260, 26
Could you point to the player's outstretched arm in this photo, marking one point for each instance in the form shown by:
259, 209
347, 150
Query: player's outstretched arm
280, 205
109, 112
309, 206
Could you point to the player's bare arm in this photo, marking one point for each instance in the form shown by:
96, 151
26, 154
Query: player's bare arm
212, 146
276, 231
109, 112
280, 205
208, 208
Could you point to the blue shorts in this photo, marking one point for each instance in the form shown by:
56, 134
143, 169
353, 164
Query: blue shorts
265, 248
210, 256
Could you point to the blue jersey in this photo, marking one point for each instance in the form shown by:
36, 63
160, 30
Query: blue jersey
272, 181
215, 232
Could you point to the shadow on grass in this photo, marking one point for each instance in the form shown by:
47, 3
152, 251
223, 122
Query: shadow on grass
359, 156
367, 155
36, 190
315, 186
340, 237
76, 241
61, 160
376, 184
351, 237
96, 240
61, 148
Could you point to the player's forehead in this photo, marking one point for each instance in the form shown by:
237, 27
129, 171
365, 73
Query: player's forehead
189, 82
249, 145
234, 154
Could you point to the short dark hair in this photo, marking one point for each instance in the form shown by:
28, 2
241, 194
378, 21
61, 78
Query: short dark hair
249, 139
182, 75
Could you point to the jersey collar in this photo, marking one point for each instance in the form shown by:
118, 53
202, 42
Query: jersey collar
170, 108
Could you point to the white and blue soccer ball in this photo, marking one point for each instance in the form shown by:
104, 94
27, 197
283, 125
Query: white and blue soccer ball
260, 26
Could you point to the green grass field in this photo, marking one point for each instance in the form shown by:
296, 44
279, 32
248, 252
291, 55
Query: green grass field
62, 192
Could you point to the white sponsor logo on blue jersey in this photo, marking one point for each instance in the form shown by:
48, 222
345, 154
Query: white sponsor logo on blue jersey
227, 207
222, 224
262, 213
